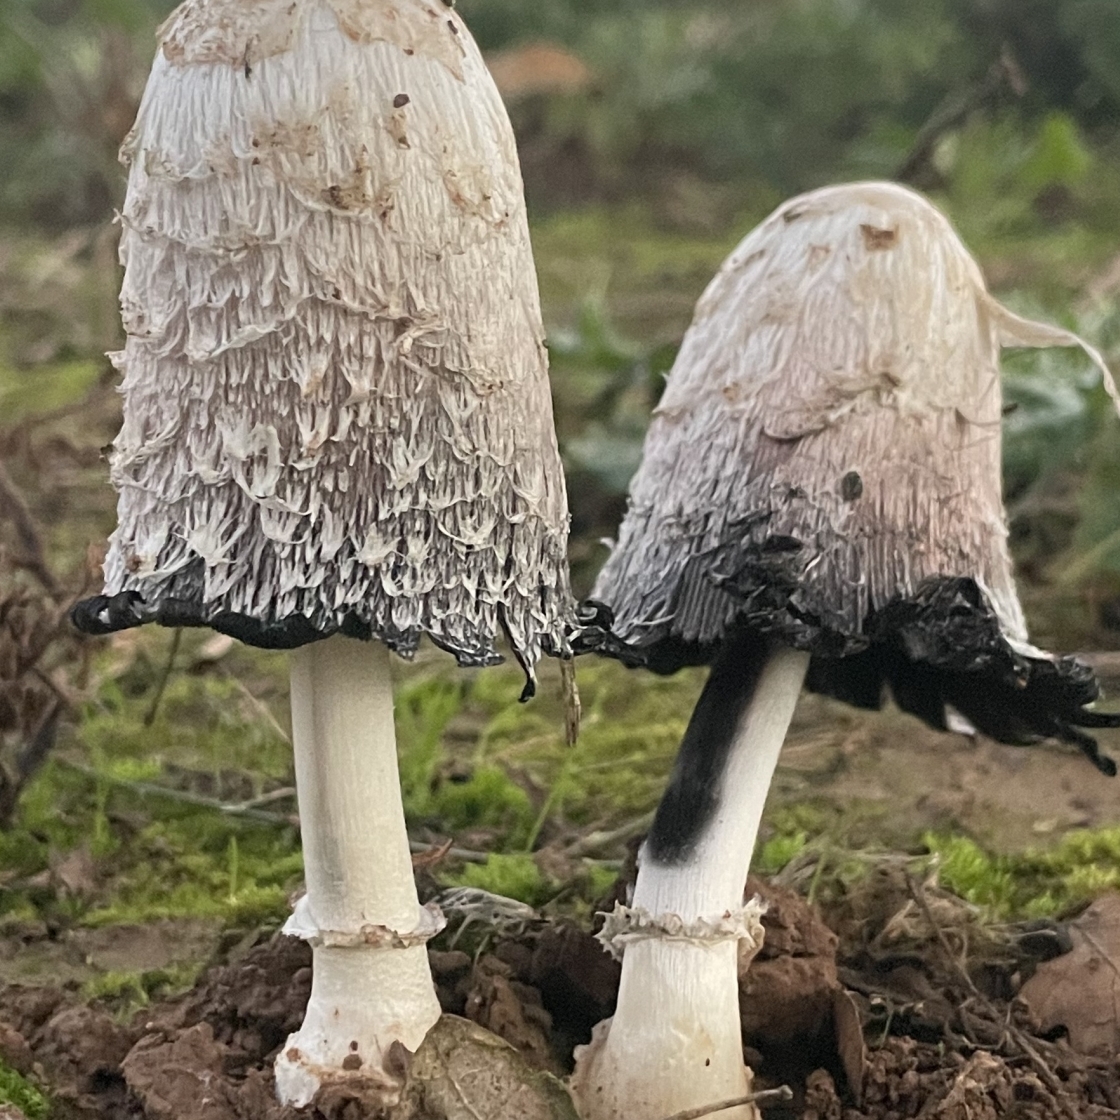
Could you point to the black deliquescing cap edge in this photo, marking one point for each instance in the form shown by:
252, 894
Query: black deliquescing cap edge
595, 634
106, 614
941, 646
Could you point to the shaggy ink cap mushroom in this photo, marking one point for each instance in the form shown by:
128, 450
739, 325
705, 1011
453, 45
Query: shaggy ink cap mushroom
337, 415
820, 494
337, 425
824, 469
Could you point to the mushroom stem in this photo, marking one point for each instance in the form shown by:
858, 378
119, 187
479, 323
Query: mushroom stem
675, 1039
371, 985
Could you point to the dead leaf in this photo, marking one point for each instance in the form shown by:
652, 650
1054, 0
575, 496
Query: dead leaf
1080, 991
462, 1072
849, 1041
981, 1091
425, 861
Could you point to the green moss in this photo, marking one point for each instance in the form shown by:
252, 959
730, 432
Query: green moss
117, 989
628, 739
145, 801
488, 799
155, 856
126, 992
45, 387
597, 881
972, 873
511, 876
422, 709
1036, 883
776, 852
190, 873
204, 723
473, 757
19, 1092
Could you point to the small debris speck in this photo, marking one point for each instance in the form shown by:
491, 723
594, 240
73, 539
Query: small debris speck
851, 486
875, 238
400, 101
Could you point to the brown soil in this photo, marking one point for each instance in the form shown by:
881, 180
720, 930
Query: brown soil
891, 1018
890, 778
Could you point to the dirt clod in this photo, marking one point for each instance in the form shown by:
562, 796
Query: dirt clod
83, 1046
512, 1011
788, 994
180, 1078
578, 982
821, 1099
14, 1050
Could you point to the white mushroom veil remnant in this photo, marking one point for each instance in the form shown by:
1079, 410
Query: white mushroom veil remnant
337, 411
819, 500
337, 426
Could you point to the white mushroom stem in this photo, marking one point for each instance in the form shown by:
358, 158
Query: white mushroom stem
371, 985
675, 1040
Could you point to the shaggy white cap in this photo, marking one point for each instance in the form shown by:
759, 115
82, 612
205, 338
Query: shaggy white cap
824, 467
336, 406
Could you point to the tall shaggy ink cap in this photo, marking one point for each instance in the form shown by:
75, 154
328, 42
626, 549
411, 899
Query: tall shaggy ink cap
336, 408
824, 467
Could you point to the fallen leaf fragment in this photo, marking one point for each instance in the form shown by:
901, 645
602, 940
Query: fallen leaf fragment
1080, 990
462, 1072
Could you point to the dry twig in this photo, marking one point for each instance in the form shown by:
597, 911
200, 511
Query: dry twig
764, 1098
165, 676
32, 558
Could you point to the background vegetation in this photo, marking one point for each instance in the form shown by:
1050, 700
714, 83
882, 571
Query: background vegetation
654, 134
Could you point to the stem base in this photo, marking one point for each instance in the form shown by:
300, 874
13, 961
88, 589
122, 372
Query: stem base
363, 999
683, 1050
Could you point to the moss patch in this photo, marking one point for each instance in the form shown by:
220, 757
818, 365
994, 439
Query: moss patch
22, 1094
1039, 883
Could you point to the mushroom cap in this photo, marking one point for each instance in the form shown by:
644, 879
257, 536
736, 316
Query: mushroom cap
824, 467
336, 405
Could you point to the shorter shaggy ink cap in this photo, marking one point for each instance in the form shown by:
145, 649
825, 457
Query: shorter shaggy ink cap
824, 469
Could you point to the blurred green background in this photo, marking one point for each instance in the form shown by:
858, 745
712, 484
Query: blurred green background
654, 134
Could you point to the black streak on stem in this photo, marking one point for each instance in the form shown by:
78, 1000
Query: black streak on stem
694, 786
